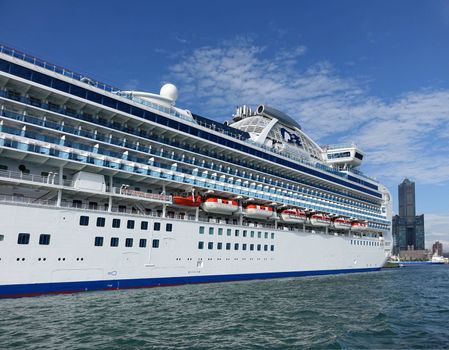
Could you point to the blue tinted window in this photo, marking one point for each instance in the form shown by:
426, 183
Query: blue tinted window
23, 238
60, 85
116, 223
155, 243
77, 91
144, 225
114, 241
142, 243
130, 224
44, 239
101, 222
98, 241
157, 226
129, 242
84, 220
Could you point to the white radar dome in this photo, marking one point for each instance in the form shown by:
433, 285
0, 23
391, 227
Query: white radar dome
169, 91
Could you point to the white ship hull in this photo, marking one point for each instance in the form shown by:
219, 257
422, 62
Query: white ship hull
35, 269
90, 179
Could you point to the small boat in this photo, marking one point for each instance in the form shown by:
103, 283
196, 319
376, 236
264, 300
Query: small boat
320, 220
219, 205
293, 215
188, 201
359, 226
341, 223
258, 211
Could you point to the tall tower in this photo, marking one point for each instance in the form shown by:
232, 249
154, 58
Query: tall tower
408, 228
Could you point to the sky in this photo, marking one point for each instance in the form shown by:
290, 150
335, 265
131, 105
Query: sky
371, 72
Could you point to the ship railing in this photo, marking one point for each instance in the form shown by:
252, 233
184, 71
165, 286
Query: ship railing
50, 179
55, 68
133, 193
338, 146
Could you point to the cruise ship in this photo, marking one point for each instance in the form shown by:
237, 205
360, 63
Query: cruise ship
105, 189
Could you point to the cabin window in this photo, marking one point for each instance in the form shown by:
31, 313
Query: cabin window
244, 233
219, 246
144, 225
272, 235
114, 241
228, 231
236, 246
211, 230
155, 243
259, 234
157, 226
200, 245
2, 237
237, 232
244, 246
169, 227
272, 248
101, 222
251, 247
84, 220
220, 231
210, 245
130, 224
228, 246
129, 242
265, 247
252, 234
201, 230
44, 239
266, 235
116, 223
259, 247
142, 243
23, 238
98, 241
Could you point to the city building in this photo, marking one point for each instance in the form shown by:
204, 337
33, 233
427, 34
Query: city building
408, 228
437, 248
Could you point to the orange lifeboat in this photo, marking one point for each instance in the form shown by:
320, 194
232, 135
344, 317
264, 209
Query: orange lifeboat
188, 201
293, 215
258, 211
341, 223
359, 226
321, 220
219, 205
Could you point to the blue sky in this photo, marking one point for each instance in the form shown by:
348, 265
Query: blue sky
372, 72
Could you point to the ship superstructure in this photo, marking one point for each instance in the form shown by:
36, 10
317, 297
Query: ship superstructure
103, 189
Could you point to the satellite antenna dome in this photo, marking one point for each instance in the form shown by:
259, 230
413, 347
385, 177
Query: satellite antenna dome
169, 91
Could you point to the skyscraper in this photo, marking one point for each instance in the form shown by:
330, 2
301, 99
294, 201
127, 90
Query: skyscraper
408, 228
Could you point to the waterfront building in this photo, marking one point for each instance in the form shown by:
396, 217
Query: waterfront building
437, 248
408, 228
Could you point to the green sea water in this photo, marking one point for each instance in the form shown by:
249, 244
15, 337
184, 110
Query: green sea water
391, 309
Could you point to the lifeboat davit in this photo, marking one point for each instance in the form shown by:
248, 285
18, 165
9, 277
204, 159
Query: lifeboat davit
293, 215
258, 211
219, 205
359, 226
342, 223
320, 220
188, 201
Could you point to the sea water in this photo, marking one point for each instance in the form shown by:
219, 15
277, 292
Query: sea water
394, 308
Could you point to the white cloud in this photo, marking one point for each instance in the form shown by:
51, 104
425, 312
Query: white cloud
402, 137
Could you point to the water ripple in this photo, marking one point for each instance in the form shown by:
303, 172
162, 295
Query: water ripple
395, 309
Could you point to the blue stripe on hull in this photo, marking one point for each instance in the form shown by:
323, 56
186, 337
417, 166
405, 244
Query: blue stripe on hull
22, 290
